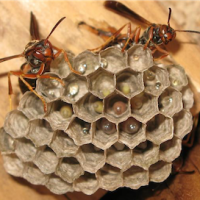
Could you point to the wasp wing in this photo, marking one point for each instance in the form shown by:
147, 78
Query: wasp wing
121, 9
34, 31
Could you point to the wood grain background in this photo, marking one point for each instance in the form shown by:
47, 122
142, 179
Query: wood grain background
14, 35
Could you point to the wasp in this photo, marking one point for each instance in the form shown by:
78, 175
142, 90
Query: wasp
39, 53
153, 37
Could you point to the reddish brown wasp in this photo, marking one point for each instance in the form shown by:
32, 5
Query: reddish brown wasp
39, 54
154, 36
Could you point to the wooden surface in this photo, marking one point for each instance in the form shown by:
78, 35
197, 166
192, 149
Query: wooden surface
14, 35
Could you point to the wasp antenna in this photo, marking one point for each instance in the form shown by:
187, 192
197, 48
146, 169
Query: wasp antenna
169, 16
189, 31
11, 57
54, 28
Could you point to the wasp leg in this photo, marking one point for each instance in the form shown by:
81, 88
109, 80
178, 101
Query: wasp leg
135, 34
21, 75
110, 39
59, 51
162, 51
150, 38
104, 33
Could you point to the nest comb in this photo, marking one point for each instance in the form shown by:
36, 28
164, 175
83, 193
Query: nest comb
120, 123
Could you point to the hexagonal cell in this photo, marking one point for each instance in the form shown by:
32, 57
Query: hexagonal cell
144, 106
159, 129
34, 175
75, 88
40, 132
170, 149
130, 83
46, 160
159, 171
182, 123
170, 102
80, 131
63, 145
119, 157
6, 142
31, 106
117, 107
69, 169
135, 177
110, 178
86, 62
188, 97
101, 83
13, 165
132, 132
156, 79
58, 186
108, 58
104, 133
50, 89
89, 107
177, 77
139, 59
145, 154
60, 66
16, 124
60, 115
90, 158
87, 184
25, 150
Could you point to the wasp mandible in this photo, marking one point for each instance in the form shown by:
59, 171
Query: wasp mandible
39, 53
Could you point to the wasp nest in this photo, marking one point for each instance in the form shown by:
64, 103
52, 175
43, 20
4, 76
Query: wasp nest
118, 124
